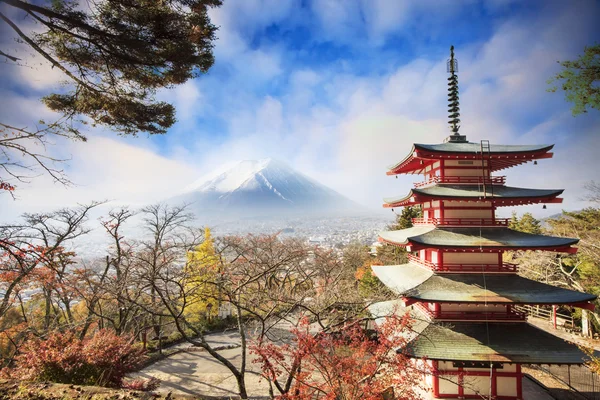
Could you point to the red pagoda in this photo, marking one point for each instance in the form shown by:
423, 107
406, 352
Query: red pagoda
462, 294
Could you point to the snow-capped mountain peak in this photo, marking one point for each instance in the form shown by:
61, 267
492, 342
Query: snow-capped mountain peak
242, 175
265, 186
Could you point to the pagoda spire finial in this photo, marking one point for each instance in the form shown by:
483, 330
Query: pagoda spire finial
453, 108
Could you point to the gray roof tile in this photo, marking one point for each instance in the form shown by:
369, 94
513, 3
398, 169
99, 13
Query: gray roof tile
473, 237
475, 191
418, 283
471, 147
501, 342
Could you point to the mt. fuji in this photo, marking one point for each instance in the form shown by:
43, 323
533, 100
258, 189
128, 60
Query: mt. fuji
265, 187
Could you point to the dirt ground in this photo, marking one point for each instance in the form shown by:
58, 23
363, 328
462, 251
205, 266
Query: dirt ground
10, 390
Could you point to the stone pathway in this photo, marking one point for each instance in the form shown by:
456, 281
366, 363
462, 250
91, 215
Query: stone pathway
571, 337
195, 372
533, 391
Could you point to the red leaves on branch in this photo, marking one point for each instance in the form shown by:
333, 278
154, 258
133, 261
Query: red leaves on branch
348, 364
102, 359
6, 186
144, 385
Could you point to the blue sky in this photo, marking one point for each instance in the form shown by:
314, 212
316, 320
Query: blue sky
339, 90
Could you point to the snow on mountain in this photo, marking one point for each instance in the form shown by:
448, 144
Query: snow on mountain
260, 188
229, 179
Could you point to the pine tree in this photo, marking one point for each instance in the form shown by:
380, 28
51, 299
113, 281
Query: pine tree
404, 220
527, 223
114, 55
579, 79
514, 221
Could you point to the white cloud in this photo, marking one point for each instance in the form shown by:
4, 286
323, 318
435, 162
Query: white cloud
40, 75
188, 100
103, 169
337, 20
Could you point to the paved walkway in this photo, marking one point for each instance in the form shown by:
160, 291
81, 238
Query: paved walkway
533, 391
195, 372
561, 333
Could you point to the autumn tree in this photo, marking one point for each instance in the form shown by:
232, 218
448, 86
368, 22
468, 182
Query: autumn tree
108, 287
161, 256
35, 248
593, 192
119, 262
355, 255
114, 55
358, 258
369, 285
580, 80
203, 266
251, 271
312, 286
391, 255
36, 274
349, 364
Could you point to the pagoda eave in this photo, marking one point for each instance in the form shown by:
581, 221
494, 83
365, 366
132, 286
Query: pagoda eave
497, 202
504, 342
498, 301
408, 301
456, 341
411, 246
499, 195
421, 157
416, 283
475, 239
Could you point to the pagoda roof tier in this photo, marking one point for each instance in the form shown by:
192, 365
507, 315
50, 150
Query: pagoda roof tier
486, 239
506, 342
499, 195
415, 282
501, 156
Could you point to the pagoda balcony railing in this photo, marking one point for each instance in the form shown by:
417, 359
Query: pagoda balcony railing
468, 180
461, 221
473, 315
463, 268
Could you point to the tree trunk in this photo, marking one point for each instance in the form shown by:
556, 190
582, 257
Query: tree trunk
585, 323
242, 339
241, 386
47, 309
239, 377
66, 302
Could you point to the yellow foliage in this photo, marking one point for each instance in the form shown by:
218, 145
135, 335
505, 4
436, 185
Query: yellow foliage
79, 311
202, 269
